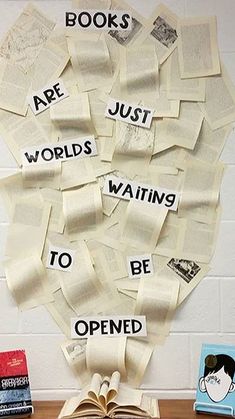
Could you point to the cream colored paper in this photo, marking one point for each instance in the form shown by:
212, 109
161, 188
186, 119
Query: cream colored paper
183, 89
19, 132
157, 298
26, 37
14, 88
103, 126
219, 107
138, 354
76, 173
106, 355
183, 131
28, 227
55, 199
209, 145
187, 272
75, 354
81, 287
197, 47
128, 37
139, 78
61, 312
200, 192
176, 240
82, 210
133, 148
91, 62
162, 29
49, 64
142, 225
26, 279
71, 116
42, 175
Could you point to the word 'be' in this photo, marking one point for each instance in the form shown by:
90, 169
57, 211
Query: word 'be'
139, 266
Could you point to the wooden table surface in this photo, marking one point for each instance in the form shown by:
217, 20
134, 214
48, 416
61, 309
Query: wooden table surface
169, 409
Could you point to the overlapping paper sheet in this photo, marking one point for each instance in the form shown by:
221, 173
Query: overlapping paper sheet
169, 64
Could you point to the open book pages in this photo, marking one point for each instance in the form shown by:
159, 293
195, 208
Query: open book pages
107, 397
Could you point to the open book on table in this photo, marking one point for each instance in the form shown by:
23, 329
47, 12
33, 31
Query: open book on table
107, 397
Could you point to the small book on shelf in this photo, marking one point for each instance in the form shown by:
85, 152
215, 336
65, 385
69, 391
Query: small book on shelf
216, 383
15, 396
106, 397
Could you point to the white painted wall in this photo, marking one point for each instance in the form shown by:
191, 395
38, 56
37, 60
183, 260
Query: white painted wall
209, 313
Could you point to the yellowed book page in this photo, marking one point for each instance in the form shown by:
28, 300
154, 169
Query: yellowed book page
106, 355
128, 37
109, 261
49, 64
142, 225
162, 29
200, 191
29, 224
84, 292
166, 158
219, 107
91, 4
11, 190
72, 116
157, 298
76, 173
17, 46
26, 280
103, 126
109, 203
139, 77
91, 62
198, 34
61, 312
82, 210
42, 175
183, 89
176, 238
209, 145
14, 88
75, 354
182, 132
133, 148
188, 272
138, 354
19, 132
55, 199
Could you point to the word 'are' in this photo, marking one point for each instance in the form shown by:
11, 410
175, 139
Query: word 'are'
50, 94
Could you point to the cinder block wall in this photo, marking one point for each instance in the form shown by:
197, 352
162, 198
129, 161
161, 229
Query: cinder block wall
209, 313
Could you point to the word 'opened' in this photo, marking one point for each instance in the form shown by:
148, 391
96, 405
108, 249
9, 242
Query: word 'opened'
84, 327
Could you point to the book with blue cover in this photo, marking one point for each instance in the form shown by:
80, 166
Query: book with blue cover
216, 382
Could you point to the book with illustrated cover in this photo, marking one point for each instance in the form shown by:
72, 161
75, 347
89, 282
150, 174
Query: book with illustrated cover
106, 397
216, 383
15, 396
